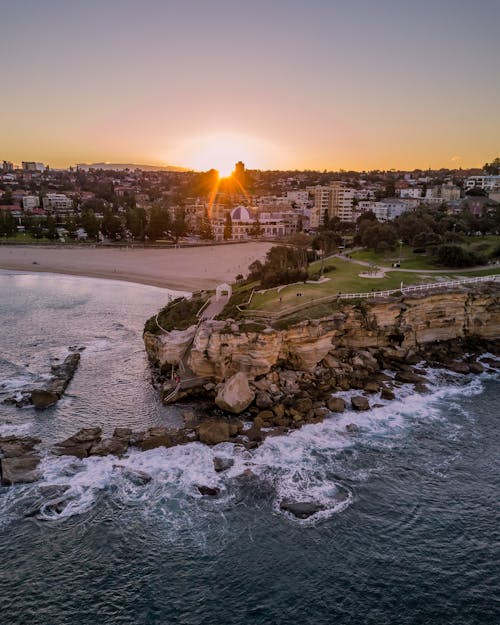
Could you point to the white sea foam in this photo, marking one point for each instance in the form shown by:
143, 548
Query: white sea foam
317, 463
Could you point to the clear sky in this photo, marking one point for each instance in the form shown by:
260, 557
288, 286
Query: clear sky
326, 84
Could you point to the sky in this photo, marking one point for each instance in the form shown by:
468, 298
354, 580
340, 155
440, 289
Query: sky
279, 84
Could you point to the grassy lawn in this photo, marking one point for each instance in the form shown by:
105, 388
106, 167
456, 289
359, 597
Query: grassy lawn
483, 245
25, 238
345, 279
409, 260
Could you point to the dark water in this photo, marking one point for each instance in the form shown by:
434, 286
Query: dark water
411, 533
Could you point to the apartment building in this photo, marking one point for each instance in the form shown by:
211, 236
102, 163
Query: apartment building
30, 202
57, 202
486, 183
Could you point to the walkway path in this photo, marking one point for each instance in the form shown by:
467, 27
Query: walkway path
214, 308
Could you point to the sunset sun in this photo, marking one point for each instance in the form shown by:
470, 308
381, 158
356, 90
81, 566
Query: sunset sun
221, 151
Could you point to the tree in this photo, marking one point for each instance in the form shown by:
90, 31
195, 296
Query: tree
90, 224
256, 230
456, 256
112, 226
6, 199
284, 265
179, 227
327, 242
302, 242
206, 231
228, 227
493, 168
135, 220
8, 226
50, 225
159, 223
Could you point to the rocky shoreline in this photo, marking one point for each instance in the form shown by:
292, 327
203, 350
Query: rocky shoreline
51, 392
246, 413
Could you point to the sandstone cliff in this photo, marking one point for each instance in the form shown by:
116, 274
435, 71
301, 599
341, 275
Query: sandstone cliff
218, 349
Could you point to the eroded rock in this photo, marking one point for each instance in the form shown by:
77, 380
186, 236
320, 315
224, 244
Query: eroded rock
235, 394
214, 432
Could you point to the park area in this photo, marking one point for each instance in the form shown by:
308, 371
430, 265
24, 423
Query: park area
342, 276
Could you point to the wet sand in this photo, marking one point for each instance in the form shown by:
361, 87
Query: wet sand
186, 269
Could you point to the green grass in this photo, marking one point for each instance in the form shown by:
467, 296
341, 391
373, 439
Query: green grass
409, 260
483, 245
345, 279
178, 315
26, 238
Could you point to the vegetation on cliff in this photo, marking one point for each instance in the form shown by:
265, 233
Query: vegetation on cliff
177, 315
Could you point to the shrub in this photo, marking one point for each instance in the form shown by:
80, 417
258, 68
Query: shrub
496, 252
178, 315
284, 276
456, 256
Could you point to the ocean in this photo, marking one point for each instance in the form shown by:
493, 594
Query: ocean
410, 533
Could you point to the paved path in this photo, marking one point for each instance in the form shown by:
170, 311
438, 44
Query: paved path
214, 308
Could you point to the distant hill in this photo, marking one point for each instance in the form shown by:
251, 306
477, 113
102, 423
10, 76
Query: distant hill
122, 166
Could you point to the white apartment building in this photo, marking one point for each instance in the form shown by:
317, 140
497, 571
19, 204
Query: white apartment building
487, 183
30, 202
412, 192
390, 208
301, 198
57, 202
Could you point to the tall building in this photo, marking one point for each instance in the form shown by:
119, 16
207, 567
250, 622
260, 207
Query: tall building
7, 166
33, 166
239, 169
335, 200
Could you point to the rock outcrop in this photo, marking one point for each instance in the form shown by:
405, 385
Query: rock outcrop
235, 395
222, 348
53, 389
18, 460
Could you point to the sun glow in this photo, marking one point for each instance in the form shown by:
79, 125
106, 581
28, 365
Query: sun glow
221, 151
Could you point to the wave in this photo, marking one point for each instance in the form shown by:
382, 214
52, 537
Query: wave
321, 464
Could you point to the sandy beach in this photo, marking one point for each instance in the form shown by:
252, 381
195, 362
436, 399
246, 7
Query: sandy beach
186, 269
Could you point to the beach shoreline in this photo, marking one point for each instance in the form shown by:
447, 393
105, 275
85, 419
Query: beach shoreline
182, 269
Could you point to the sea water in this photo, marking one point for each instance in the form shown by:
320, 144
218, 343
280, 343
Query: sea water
409, 533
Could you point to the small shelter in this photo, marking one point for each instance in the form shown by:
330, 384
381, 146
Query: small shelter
223, 290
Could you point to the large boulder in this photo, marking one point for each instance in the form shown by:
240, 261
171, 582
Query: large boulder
222, 464
109, 446
41, 398
15, 447
214, 432
79, 444
235, 395
301, 509
336, 404
359, 402
409, 377
19, 470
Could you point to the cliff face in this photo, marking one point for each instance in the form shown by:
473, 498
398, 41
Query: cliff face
221, 348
